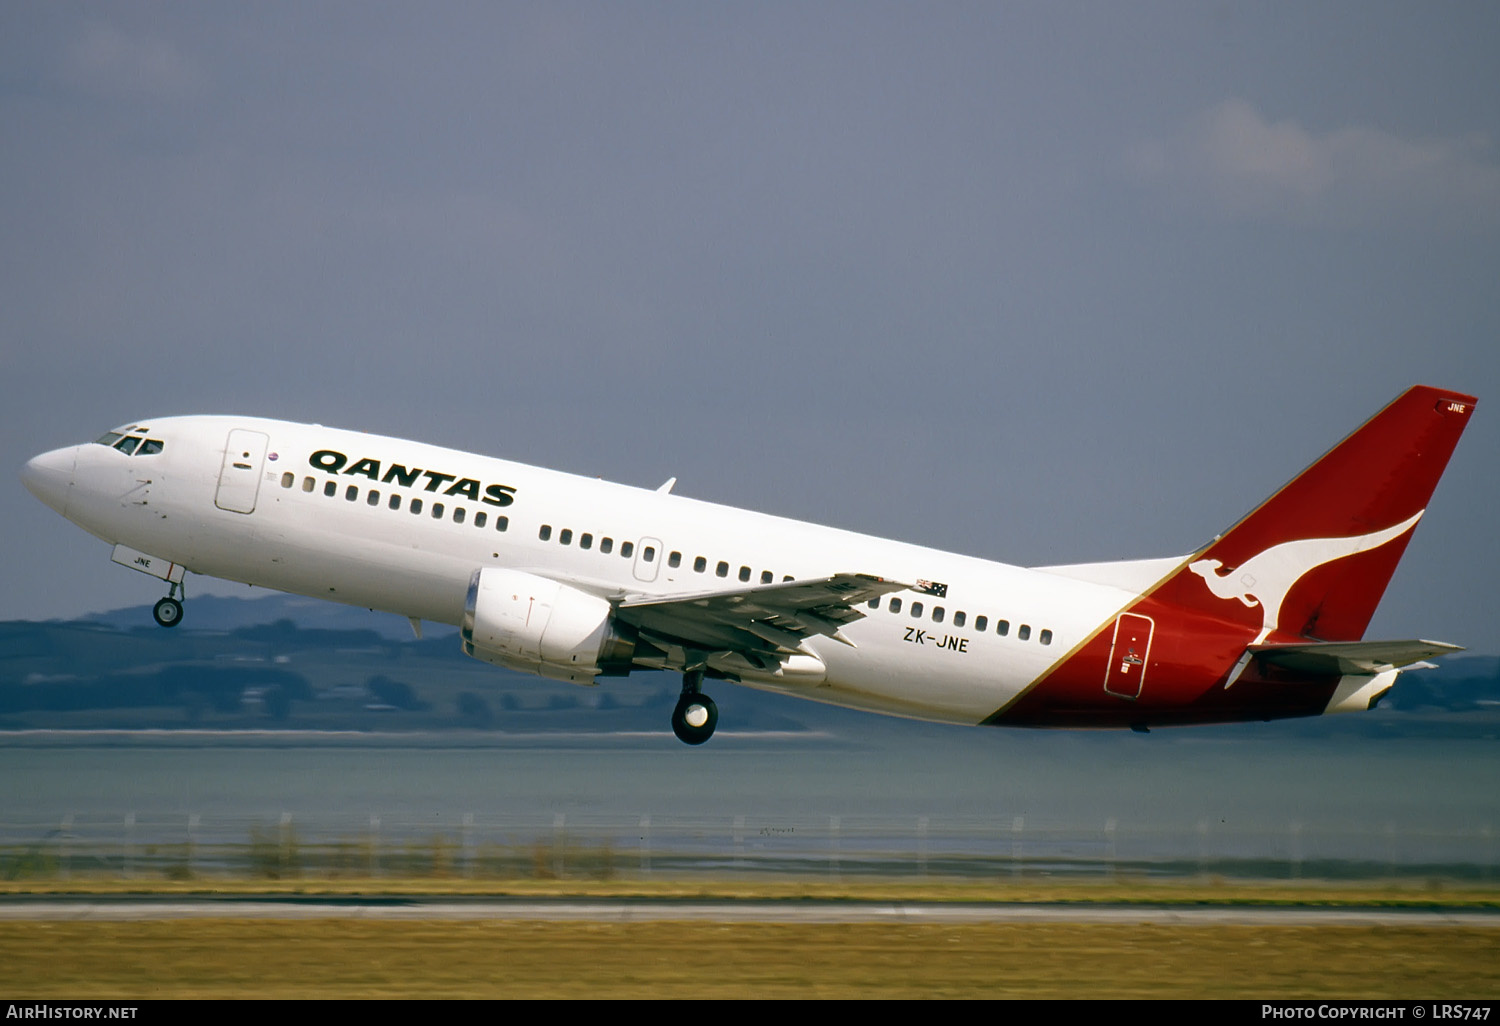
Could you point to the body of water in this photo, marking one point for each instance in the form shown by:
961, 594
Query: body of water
903, 796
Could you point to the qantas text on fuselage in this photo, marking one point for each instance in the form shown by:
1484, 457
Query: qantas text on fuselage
578, 579
334, 462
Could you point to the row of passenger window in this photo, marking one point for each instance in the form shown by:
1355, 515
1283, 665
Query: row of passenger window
585, 540
960, 618
606, 545
437, 510
648, 554
721, 569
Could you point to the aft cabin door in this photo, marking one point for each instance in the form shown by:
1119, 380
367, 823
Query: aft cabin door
239, 477
1129, 656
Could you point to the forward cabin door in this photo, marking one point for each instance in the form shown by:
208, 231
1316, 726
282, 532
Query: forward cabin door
239, 476
1129, 656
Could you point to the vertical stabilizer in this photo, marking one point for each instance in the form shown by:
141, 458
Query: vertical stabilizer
1315, 558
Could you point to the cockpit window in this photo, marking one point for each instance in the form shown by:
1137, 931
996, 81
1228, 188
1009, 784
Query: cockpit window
131, 442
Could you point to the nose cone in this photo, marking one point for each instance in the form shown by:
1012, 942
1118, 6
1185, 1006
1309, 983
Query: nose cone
50, 477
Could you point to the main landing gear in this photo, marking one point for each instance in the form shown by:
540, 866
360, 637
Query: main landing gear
168, 612
695, 717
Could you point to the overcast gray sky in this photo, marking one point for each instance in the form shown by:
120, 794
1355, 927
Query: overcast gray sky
1042, 282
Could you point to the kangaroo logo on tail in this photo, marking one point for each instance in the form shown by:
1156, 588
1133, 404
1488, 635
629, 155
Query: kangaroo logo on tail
1265, 578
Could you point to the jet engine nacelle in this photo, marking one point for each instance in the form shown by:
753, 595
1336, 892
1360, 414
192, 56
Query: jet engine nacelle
536, 625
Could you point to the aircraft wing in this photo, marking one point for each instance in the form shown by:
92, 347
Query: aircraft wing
1352, 657
763, 622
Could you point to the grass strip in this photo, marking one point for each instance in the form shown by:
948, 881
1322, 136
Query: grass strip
1312, 893
324, 958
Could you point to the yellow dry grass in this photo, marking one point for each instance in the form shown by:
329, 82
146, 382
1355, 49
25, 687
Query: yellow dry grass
354, 958
342, 958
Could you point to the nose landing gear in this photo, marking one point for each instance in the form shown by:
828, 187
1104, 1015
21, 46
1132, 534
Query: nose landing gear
168, 611
696, 716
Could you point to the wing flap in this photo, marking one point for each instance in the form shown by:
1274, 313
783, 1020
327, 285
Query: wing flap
768, 620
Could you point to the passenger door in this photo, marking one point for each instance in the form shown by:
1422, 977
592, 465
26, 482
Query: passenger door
239, 475
1129, 656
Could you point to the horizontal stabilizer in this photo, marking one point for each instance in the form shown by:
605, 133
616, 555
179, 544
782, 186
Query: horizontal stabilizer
1351, 657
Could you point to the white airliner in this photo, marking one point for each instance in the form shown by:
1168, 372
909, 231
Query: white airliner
575, 579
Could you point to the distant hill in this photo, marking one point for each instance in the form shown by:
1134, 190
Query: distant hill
218, 613
294, 663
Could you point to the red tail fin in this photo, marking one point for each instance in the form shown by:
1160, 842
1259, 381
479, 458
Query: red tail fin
1315, 558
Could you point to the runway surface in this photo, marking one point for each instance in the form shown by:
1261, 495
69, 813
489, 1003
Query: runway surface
624, 910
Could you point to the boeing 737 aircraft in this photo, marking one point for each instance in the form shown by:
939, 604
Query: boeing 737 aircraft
575, 579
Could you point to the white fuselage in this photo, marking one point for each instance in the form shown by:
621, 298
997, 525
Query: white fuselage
322, 512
